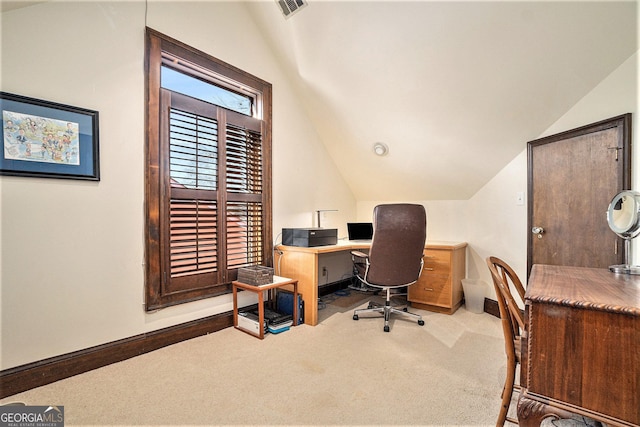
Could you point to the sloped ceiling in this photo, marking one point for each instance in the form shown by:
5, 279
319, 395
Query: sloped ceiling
455, 89
7, 5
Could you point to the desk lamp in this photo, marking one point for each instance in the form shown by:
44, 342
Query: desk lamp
319, 212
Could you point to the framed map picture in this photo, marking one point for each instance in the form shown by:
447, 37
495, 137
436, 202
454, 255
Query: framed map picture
48, 140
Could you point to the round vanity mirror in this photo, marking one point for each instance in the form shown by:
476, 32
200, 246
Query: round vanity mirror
623, 216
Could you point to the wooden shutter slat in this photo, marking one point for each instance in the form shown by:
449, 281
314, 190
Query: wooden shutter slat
193, 152
244, 160
193, 237
244, 236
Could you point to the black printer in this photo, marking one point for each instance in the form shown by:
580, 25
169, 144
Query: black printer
309, 237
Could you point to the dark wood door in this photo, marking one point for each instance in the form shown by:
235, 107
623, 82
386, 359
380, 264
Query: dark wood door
572, 178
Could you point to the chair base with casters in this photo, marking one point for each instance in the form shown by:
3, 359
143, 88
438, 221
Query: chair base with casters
387, 310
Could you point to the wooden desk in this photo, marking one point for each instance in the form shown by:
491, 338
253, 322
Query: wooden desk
278, 282
302, 264
582, 346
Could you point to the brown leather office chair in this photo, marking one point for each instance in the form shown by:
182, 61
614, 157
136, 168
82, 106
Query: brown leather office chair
504, 279
395, 257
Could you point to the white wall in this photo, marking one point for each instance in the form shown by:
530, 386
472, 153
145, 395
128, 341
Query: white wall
72, 251
499, 223
446, 219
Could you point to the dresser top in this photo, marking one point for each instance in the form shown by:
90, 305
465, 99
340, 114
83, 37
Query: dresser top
582, 287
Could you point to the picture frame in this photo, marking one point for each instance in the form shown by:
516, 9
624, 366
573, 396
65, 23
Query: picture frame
48, 140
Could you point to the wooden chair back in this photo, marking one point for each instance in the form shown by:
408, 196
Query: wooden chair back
505, 279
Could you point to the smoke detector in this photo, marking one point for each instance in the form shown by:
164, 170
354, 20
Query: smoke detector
289, 7
380, 149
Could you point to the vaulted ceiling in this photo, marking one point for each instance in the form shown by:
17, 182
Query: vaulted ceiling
454, 89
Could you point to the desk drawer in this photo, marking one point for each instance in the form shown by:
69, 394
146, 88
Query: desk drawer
432, 289
436, 262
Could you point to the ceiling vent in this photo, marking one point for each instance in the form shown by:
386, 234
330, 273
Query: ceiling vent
289, 7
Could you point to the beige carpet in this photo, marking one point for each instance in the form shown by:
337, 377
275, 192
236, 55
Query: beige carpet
341, 372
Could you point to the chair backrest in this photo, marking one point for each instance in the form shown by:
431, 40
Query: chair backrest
504, 278
397, 247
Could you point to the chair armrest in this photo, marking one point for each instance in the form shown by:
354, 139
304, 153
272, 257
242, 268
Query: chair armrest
358, 254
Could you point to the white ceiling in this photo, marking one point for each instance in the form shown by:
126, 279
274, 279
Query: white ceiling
7, 5
455, 89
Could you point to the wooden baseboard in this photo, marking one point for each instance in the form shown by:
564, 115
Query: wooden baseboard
36, 374
491, 307
437, 309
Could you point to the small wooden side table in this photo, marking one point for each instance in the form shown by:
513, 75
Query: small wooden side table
278, 282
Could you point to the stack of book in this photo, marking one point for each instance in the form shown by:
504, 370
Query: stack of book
277, 322
274, 322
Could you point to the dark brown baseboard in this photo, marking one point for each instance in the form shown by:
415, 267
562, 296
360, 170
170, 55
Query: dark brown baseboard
47, 371
491, 307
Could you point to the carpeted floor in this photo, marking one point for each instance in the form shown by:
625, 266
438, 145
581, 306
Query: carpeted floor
348, 300
340, 372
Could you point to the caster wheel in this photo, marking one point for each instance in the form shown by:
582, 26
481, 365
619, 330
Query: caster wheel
369, 307
421, 322
355, 317
405, 309
386, 329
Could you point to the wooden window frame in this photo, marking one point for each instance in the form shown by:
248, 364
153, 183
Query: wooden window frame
157, 191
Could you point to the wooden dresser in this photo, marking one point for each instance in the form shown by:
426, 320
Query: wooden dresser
582, 346
440, 285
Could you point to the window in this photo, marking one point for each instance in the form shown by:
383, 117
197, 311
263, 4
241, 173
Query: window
188, 85
208, 173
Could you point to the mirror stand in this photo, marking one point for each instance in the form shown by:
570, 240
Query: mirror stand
623, 216
625, 268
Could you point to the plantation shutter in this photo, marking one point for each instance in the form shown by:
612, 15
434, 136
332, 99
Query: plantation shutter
244, 187
192, 257
208, 207
199, 211
193, 221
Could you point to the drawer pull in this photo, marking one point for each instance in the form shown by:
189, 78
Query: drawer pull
428, 268
428, 289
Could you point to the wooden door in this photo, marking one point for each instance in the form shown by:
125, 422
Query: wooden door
573, 176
